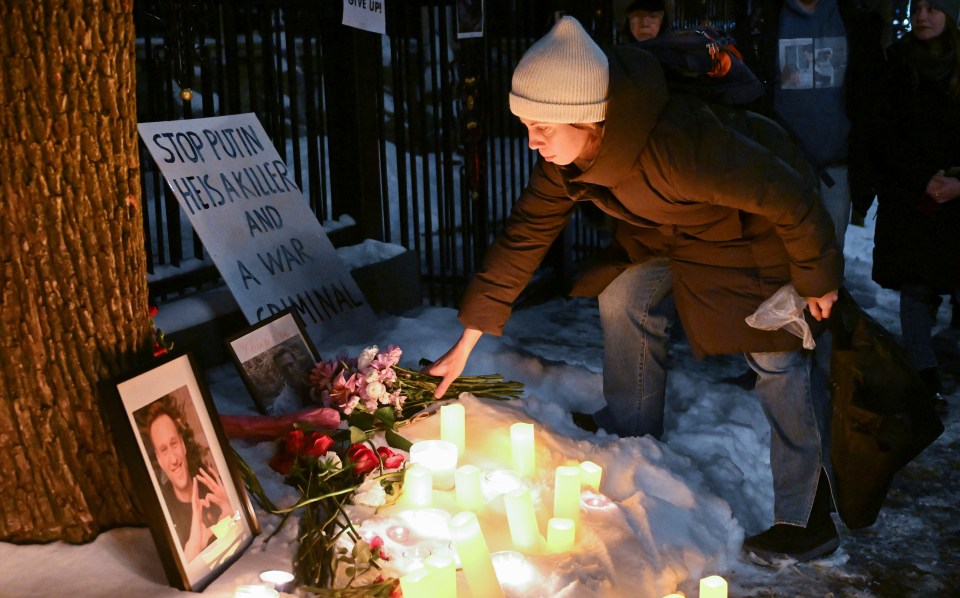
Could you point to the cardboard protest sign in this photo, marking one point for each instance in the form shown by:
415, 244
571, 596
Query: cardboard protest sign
254, 221
368, 15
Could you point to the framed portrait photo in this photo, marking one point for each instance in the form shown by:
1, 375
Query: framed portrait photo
199, 514
274, 357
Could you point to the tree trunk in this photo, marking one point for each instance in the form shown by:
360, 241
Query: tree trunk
73, 282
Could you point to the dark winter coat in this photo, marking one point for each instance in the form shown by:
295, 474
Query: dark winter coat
721, 192
917, 240
758, 42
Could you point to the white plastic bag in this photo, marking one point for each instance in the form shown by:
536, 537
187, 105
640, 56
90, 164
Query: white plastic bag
784, 310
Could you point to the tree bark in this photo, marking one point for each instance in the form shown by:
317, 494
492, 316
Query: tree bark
73, 285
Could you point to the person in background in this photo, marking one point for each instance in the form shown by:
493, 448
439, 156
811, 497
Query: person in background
646, 19
917, 242
825, 107
715, 209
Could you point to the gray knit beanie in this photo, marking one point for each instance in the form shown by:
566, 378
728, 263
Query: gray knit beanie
951, 8
562, 78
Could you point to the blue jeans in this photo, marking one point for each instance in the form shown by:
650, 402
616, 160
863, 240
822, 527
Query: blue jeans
637, 312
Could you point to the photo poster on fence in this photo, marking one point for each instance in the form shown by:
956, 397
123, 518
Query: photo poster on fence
368, 15
254, 221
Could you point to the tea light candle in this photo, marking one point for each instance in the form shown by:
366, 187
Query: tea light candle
523, 449
432, 523
251, 591
590, 474
474, 556
561, 533
453, 425
513, 570
566, 493
444, 572
278, 580
713, 587
522, 520
469, 492
418, 485
496, 484
440, 457
594, 500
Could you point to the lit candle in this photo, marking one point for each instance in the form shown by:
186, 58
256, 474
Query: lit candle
513, 570
566, 493
522, 449
417, 584
255, 592
594, 500
474, 556
560, 534
713, 587
279, 580
590, 474
440, 457
444, 572
469, 492
522, 520
418, 485
453, 425
496, 484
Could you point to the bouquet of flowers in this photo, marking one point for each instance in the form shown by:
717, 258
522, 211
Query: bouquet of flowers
329, 455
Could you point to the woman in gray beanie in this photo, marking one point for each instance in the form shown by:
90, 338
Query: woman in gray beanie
715, 210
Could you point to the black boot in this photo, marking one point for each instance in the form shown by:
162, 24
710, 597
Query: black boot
585, 421
785, 542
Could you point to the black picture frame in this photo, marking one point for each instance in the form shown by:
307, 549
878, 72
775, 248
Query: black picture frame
168, 432
274, 358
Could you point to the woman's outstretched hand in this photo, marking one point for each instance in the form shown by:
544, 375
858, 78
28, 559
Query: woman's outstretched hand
452, 363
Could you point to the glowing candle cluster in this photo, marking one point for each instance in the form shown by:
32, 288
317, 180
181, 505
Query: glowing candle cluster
433, 466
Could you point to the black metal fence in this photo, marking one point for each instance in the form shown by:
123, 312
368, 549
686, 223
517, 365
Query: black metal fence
404, 138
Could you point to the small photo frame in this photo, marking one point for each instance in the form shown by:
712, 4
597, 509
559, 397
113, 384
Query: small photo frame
274, 358
168, 430
469, 18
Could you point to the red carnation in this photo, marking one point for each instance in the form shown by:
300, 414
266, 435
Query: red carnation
391, 460
364, 460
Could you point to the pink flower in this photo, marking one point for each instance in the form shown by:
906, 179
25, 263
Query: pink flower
322, 374
388, 358
343, 390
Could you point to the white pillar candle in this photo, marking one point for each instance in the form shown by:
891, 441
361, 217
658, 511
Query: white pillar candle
440, 457
418, 485
590, 474
444, 572
561, 534
713, 587
523, 449
566, 493
417, 584
469, 491
453, 425
474, 556
522, 520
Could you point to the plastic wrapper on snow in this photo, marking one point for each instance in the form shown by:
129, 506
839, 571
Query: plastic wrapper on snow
784, 309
